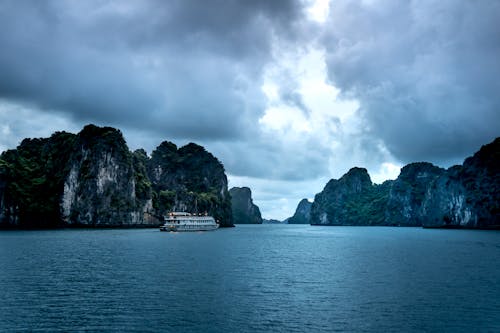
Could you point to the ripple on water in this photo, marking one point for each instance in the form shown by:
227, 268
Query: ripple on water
266, 278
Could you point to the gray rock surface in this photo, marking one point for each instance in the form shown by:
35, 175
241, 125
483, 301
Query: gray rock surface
464, 196
302, 214
468, 195
407, 194
244, 210
92, 180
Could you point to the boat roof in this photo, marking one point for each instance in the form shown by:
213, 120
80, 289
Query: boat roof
179, 214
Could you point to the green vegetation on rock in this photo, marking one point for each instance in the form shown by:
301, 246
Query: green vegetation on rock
33, 176
302, 214
466, 196
351, 200
189, 179
92, 179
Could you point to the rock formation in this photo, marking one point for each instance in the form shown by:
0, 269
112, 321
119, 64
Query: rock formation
100, 187
189, 179
407, 194
468, 195
302, 214
272, 221
91, 179
244, 210
465, 196
351, 200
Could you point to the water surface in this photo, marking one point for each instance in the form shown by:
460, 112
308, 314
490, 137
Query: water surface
257, 278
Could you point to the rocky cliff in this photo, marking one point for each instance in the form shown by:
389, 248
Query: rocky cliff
404, 205
100, 188
244, 210
468, 195
32, 180
91, 179
302, 214
351, 200
423, 195
189, 179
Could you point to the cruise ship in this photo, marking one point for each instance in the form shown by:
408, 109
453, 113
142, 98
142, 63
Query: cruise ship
181, 221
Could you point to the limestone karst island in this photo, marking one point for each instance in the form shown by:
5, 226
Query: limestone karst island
92, 179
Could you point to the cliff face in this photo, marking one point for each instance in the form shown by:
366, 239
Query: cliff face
467, 195
92, 179
32, 179
302, 214
407, 194
244, 210
351, 200
100, 188
423, 195
446, 203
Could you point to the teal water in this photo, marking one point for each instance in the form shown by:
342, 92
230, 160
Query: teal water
259, 278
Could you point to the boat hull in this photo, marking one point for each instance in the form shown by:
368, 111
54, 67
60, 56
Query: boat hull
177, 228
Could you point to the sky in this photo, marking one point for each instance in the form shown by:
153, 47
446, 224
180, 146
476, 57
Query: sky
287, 94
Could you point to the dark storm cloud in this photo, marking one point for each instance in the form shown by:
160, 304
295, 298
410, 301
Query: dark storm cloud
269, 158
184, 68
425, 72
289, 91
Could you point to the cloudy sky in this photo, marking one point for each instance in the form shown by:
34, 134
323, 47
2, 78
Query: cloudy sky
287, 94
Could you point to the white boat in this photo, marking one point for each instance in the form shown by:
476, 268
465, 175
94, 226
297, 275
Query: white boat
181, 221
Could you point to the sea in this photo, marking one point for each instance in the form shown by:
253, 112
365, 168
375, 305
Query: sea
251, 278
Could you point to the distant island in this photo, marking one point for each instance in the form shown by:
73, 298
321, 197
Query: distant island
91, 179
272, 221
302, 213
243, 208
463, 196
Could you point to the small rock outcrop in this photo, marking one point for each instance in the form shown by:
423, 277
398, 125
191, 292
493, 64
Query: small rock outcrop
244, 210
272, 221
302, 214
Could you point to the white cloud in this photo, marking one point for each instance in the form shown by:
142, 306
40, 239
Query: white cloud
23, 121
285, 119
386, 171
319, 10
307, 114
